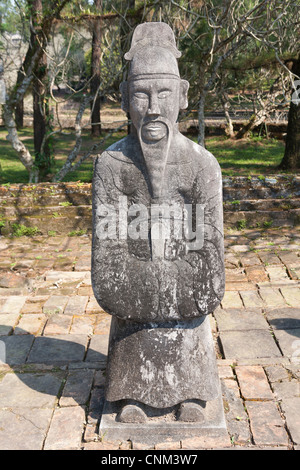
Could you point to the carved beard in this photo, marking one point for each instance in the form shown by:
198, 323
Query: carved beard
155, 155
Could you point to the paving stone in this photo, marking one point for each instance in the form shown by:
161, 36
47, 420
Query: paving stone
34, 305
233, 275
56, 276
66, 429
30, 324
55, 304
83, 264
251, 299
98, 348
289, 259
83, 325
237, 320
250, 259
272, 297
59, 348
23, 429
256, 274
7, 323
76, 305
266, 423
276, 373
232, 299
58, 325
250, 344
11, 279
206, 442
99, 380
102, 445
253, 383
93, 306
96, 405
277, 273
284, 318
240, 286
29, 390
235, 414
291, 295
77, 388
269, 258
13, 304
103, 324
286, 389
291, 410
289, 342
16, 348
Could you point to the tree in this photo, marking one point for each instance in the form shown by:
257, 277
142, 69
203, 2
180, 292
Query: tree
30, 65
96, 71
291, 159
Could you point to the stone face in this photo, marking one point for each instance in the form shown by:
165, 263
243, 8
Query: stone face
158, 250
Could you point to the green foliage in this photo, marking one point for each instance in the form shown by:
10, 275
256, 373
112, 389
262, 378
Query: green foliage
19, 230
76, 233
242, 224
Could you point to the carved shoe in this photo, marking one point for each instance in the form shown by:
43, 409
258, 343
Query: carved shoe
132, 414
191, 412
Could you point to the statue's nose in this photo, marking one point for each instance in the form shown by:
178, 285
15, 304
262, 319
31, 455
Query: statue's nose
153, 105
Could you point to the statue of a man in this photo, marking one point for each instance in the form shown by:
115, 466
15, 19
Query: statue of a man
158, 288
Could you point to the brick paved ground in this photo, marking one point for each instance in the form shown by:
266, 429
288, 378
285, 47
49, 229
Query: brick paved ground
54, 337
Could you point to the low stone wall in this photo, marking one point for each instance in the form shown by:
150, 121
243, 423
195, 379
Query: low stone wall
65, 208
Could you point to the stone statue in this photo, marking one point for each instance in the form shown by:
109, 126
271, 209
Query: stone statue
158, 283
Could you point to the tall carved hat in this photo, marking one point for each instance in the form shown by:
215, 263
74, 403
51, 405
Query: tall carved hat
153, 34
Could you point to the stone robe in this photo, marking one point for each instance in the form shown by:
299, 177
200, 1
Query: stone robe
161, 350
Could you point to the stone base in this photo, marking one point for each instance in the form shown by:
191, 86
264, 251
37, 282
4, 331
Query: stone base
162, 428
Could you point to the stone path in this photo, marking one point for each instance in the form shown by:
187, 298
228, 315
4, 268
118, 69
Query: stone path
54, 336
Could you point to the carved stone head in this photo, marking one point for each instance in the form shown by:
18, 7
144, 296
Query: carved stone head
154, 92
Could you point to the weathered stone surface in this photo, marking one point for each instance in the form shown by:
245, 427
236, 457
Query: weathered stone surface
76, 305
158, 287
289, 342
266, 424
232, 299
291, 295
29, 390
272, 297
291, 410
13, 304
16, 348
55, 304
249, 344
77, 388
237, 320
7, 322
251, 299
30, 324
284, 318
60, 348
253, 383
66, 429
23, 428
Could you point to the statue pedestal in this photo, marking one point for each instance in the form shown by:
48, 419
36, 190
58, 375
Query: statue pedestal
163, 428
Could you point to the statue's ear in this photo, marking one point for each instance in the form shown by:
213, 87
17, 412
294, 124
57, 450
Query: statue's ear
125, 96
183, 94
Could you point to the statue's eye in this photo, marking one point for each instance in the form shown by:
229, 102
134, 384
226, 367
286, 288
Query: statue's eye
164, 94
140, 95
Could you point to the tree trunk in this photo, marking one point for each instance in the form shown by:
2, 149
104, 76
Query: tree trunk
95, 72
291, 159
201, 107
42, 155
